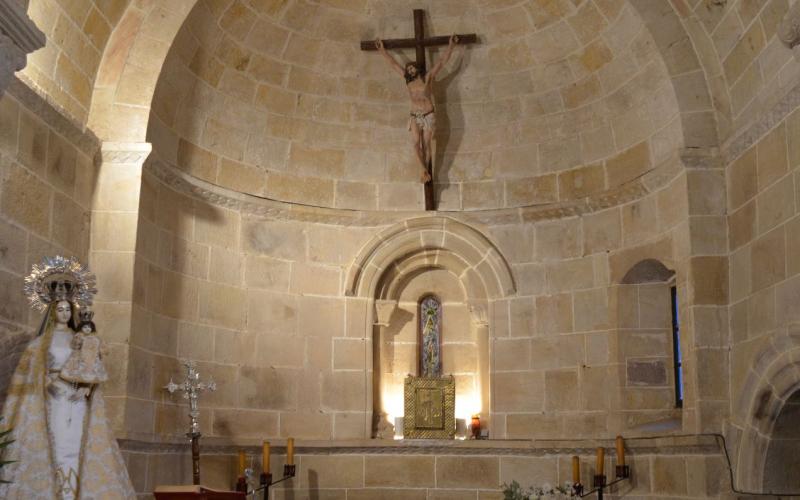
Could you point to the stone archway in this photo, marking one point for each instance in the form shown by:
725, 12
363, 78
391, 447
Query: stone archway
772, 381
404, 252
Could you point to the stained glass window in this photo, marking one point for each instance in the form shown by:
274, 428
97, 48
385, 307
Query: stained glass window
430, 336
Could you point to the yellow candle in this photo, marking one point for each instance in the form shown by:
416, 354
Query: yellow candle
601, 455
576, 470
265, 457
620, 451
290, 451
241, 463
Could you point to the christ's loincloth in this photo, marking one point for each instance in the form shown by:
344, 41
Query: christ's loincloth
425, 120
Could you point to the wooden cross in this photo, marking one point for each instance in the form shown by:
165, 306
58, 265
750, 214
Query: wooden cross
419, 42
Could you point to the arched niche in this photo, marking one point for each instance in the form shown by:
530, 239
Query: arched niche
771, 388
463, 268
644, 348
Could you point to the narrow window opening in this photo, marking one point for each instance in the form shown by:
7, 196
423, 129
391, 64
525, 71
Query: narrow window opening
676, 349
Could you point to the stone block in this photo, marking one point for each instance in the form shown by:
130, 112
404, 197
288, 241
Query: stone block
225, 267
639, 221
522, 317
512, 354
222, 305
344, 391
710, 280
399, 471
351, 425
277, 239
776, 204
768, 259
706, 192
568, 275
742, 226
646, 372
772, 157
669, 475
339, 471
252, 392
467, 472
33, 137
528, 470
349, 354
267, 273
271, 312
315, 279
554, 314
561, 390
519, 391
558, 239
195, 342
244, 423
743, 53
279, 350
26, 200
602, 231
321, 317
591, 310
628, 164
531, 191
532, 426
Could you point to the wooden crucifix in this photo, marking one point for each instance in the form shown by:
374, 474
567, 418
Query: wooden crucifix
420, 84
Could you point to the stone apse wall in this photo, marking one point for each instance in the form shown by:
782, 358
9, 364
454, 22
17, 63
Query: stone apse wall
273, 233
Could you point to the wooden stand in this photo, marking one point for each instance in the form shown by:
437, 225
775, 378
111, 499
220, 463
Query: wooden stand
195, 492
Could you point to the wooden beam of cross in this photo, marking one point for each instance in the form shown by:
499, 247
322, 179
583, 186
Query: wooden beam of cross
420, 42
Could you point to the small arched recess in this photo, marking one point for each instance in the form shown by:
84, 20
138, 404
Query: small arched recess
460, 265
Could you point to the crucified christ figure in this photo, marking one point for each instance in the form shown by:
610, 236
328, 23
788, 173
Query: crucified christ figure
422, 123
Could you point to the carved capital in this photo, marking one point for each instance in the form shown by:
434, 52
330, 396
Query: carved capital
19, 36
383, 311
12, 59
789, 29
479, 312
123, 153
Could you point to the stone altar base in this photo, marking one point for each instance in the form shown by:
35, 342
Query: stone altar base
693, 467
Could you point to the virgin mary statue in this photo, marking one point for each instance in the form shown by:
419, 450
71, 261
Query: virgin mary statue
64, 447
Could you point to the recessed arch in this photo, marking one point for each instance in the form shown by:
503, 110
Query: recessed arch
426, 241
772, 379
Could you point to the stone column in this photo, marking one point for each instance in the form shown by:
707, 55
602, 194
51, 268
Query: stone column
112, 252
479, 314
18, 38
382, 314
704, 347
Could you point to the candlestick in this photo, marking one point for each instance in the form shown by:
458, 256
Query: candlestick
601, 455
620, 451
290, 451
576, 470
265, 457
241, 463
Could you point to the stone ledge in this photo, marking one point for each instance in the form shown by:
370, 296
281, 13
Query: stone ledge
704, 444
254, 205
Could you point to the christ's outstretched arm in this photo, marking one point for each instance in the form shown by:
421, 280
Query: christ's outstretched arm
439, 65
389, 59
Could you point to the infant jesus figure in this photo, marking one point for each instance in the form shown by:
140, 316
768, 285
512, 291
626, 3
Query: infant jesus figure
84, 366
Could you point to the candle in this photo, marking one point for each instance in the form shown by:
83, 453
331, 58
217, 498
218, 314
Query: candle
601, 455
290, 451
620, 451
265, 457
241, 463
576, 470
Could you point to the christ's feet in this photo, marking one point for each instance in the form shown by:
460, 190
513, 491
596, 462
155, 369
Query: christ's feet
425, 177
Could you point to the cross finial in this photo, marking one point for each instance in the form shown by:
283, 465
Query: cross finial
191, 388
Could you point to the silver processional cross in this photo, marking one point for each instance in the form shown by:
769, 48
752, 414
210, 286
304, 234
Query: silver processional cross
191, 388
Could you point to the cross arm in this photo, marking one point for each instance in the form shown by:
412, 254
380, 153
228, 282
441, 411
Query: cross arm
411, 43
